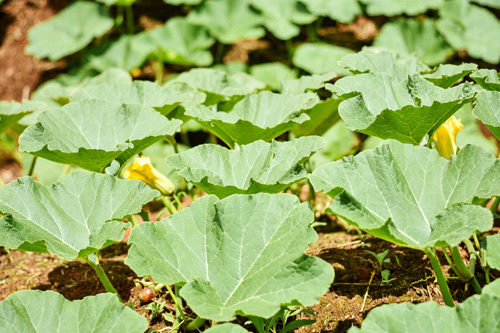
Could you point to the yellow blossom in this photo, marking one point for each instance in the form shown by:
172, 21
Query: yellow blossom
445, 137
141, 169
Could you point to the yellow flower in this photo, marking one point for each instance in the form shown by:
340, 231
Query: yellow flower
141, 169
445, 137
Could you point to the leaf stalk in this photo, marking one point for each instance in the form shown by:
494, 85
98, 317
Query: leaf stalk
443, 286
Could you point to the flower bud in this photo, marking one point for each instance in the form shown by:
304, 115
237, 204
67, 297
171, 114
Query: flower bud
445, 137
141, 169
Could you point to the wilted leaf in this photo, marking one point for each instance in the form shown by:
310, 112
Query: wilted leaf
253, 168
48, 311
69, 31
202, 247
320, 58
228, 20
73, 218
409, 195
92, 133
262, 116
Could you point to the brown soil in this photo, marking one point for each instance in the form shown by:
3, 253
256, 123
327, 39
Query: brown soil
21, 73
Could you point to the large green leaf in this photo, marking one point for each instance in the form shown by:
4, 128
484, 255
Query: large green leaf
73, 218
469, 27
145, 93
412, 36
487, 110
472, 133
48, 311
478, 313
344, 11
183, 43
242, 255
320, 58
409, 195
487, 78
128, 52
340, 141
228, 20
488, 3
492, 246
92, 133
69, 31
218, 85
379, 105
281, 17
398, 7
253, 168
226, 328
262, 116
378, 60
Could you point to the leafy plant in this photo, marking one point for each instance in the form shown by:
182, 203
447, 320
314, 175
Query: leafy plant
282, 319
339, 10
253, 168
97, 133
320, 58
74, 219
48, 311
487, 111
221, 279
69, 31
397, 7
382, 192
489, 79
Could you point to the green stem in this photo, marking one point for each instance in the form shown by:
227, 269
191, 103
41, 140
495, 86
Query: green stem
177, 201
174, 144
494, 205
102, 275
195, 324
450, 262
32, 166
129, 13
169, 205
464, 273
132, 220
445, 291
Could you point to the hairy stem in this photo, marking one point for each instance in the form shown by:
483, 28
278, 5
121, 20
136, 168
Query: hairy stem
445, 291
464, 272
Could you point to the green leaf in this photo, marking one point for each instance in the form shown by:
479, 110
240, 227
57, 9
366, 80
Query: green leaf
411, 196
48, 311
262, 116
469, 27
117, 2
228, 20
478, 313
201, 247
344, 11
272, 74
488, 3
73, 218
487, 110
340, 141
320, 58
489, 79
69, 31
447, 75
253, 168
306, 83
376, 60
472, 133
128, 52
60, 90
183, 43
144, 93
12, 112
412, 36
183, 2
281, 17
226, 328
218, 85
398, 7
379, 105
492, 245
92, 133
